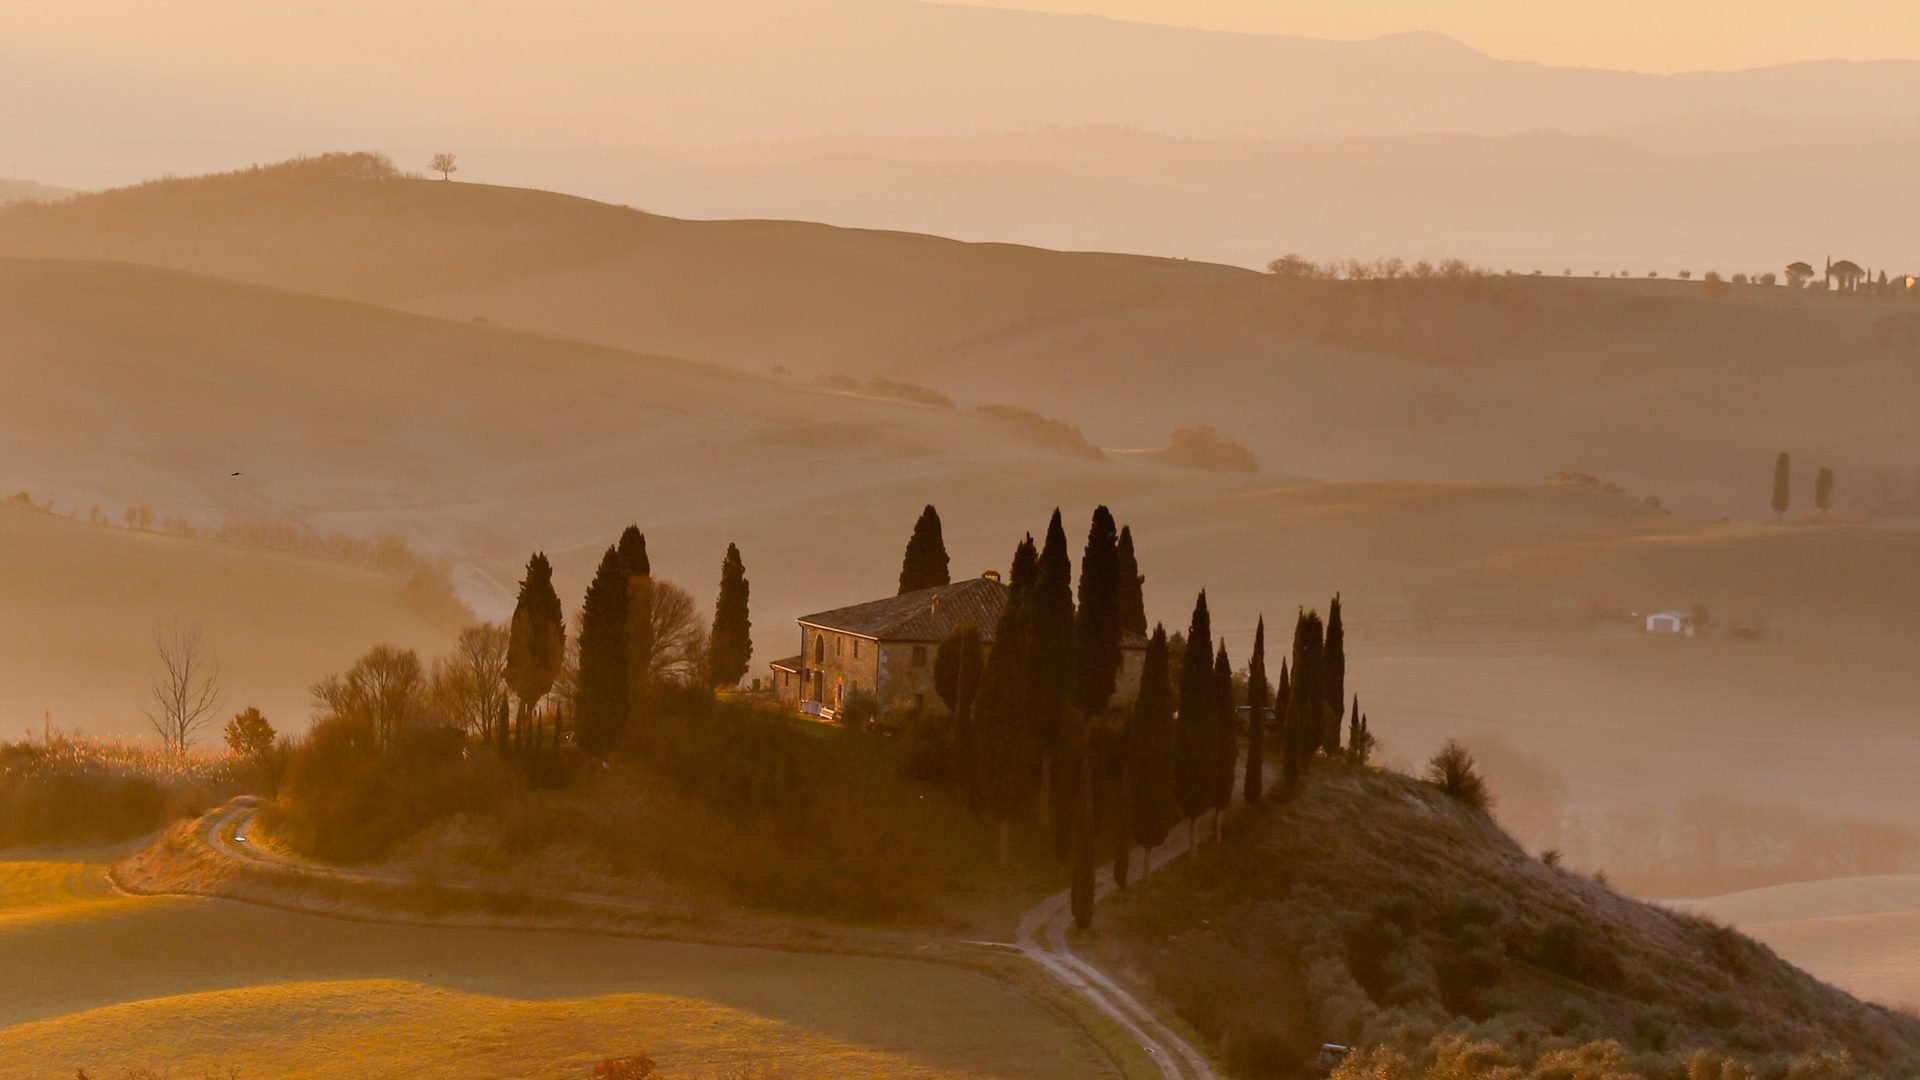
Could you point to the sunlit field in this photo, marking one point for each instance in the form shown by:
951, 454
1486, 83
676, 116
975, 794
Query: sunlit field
197, 986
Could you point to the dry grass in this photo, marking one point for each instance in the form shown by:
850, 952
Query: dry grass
1373, 910
73, 789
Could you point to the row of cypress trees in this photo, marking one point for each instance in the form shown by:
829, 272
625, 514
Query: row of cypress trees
1032, 717
616, 643
1021, 710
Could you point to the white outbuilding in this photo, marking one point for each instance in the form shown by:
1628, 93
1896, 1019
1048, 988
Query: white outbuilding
1670, 622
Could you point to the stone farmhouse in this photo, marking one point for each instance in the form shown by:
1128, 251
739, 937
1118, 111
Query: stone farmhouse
886, 648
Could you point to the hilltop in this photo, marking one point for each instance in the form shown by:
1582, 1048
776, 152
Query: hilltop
1373, 910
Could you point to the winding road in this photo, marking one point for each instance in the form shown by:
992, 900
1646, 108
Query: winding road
1043, 936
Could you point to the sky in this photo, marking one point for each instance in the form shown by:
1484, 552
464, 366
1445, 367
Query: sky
1640, 35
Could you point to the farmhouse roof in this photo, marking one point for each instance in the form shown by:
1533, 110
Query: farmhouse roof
791, 663
931, 614
925, 615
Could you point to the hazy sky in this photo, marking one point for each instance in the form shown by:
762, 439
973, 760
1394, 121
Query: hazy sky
1646, 35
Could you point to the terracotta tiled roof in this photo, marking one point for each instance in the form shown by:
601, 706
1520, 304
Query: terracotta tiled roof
791, 663
930, 614
926, 615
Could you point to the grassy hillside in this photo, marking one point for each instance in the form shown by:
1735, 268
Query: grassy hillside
1375, 911
83, 602
1655, 386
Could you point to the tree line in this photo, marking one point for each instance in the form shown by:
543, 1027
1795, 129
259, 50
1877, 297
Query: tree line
527, 688
1783, 487
1035, 723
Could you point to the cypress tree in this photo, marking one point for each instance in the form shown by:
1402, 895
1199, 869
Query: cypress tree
956, 678
633, 552
639, 635
1005, 756
1025, 571
1353, 730
1133, 601
600, 699
1336, 683
536, 642
1084, 838
1255, 784
1782, 485
1226, 737
925, 564
1050, 683
1282, 724
1195, 741
1149, 752
1823, 489
730, 648
1097, 625
1306, 705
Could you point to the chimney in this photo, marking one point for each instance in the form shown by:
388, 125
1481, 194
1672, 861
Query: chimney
935, 605
991, 575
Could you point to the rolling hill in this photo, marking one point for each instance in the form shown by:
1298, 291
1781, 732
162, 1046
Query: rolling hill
1369, 909
84, 601
480, 444
1655, 386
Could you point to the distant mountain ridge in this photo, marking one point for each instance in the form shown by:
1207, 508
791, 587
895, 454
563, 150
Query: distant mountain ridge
681, 72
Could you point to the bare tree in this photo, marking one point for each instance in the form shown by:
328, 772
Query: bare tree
445, 164
384, 690
678, 634
185, 687
469, 686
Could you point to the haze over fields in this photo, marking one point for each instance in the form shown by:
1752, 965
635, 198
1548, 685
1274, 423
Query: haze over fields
1031, 127
779, 275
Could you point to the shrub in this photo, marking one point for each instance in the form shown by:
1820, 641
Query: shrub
1453, 771
932, 747
859, 711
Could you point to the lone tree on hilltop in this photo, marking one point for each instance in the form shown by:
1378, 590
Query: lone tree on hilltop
1823, 490
1194, 740
1097, 624
185, 686
445, 164
536, 642
1226, 738
1782, 485
730, 645
1336, 682
1005, 755
602, 694
1149, 752
1133, 602
925, 564
1254, 787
